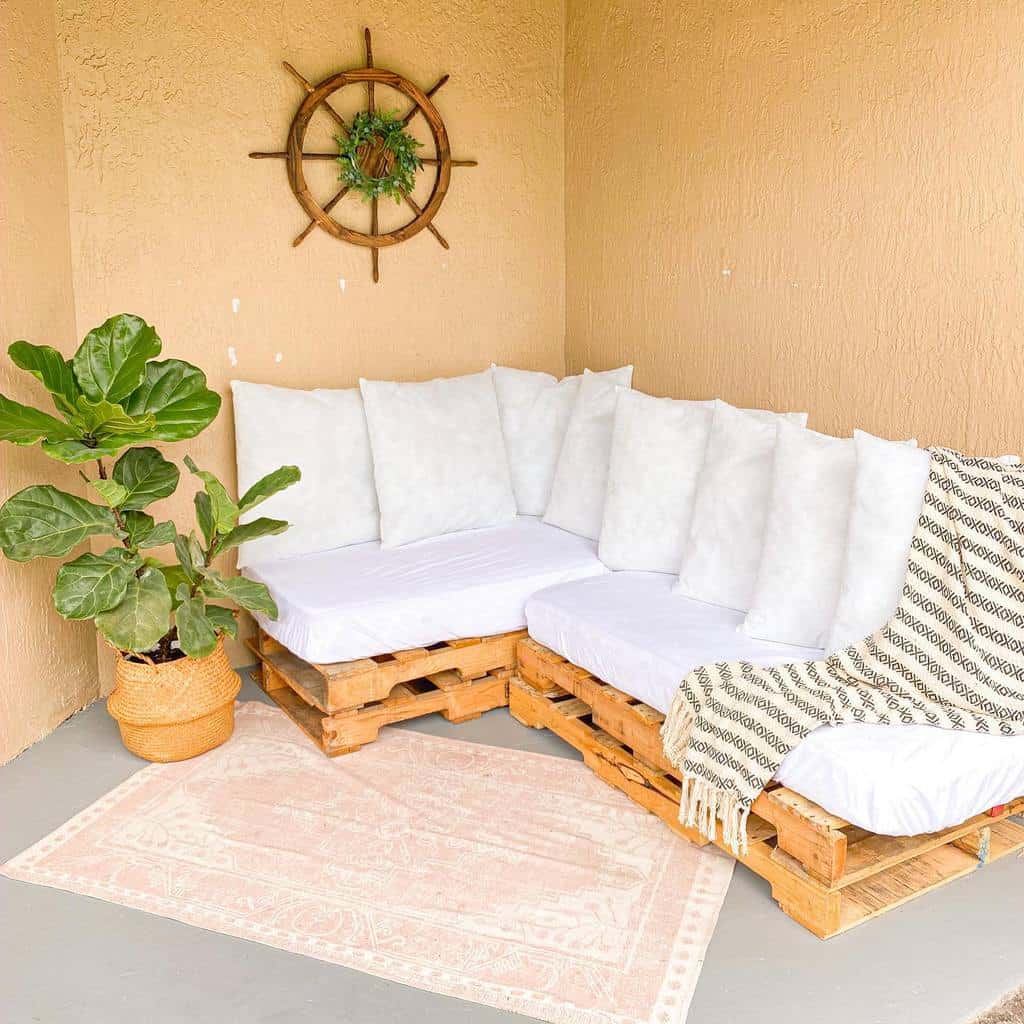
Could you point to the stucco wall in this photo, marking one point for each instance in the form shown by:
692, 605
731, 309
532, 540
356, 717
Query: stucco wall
810, 204
48, 665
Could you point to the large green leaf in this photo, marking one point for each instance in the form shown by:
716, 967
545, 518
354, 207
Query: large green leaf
144, 532
41, 520
175, 392
261, 527
190, 555
146, 475
143, 617
105, 419
196, 633
51, 369
93, 583
21, 424
174, 575
225, 511
204, 515
247, 594
269, 486
223, 619
111, 361
113, 493
76, 452
183, 550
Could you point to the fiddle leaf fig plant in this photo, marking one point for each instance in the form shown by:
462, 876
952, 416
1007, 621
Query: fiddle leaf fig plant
110, 397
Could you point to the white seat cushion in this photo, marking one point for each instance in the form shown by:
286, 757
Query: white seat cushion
363, 600
632, 631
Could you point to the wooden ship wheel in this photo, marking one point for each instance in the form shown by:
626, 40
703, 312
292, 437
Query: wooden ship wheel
375, 160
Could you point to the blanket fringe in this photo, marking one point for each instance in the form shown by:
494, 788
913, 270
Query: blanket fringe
702, 805
677, 728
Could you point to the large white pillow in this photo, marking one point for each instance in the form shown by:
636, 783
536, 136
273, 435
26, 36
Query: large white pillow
535, 409
581, 477
723, 550
804, 545
887, 494
438, 456
657, 453
323, 432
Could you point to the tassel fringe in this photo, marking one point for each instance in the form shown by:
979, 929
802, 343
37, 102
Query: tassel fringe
702, 805
677, 728
705, 807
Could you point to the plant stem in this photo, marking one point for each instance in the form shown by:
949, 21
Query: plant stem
117, 512
207, 558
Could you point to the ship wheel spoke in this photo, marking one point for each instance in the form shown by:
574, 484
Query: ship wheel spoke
327, 207
433, 162
309, 87
375, 252
369, 84
414, 206
416, 109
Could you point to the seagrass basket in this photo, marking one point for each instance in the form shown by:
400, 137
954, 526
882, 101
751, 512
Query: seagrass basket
175, 710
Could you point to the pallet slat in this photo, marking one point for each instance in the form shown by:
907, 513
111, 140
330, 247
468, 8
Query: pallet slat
343, 706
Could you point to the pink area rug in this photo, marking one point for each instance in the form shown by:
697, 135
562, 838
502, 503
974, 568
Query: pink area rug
512, 879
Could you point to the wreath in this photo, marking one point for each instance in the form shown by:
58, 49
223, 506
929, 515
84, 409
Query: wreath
383, 133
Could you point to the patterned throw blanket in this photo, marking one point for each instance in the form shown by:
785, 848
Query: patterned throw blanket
952, 656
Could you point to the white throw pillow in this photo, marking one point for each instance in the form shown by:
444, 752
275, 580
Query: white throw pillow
577, 492
804, 545
723, 551
887, 494
323, 432
535, 409
657, 453
438, 456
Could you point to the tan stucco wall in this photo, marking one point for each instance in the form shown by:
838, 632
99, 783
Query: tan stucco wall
810, 204
48, 666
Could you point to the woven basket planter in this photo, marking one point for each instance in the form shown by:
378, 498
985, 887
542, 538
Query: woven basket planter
176, 710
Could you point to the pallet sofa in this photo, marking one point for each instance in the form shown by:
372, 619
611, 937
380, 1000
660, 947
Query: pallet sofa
598, 644
462, 605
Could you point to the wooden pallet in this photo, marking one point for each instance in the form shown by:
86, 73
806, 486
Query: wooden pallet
342, 706
825, 873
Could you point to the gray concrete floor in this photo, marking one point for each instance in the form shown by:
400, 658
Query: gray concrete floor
68, 958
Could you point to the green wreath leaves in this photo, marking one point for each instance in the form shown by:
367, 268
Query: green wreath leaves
367, 128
